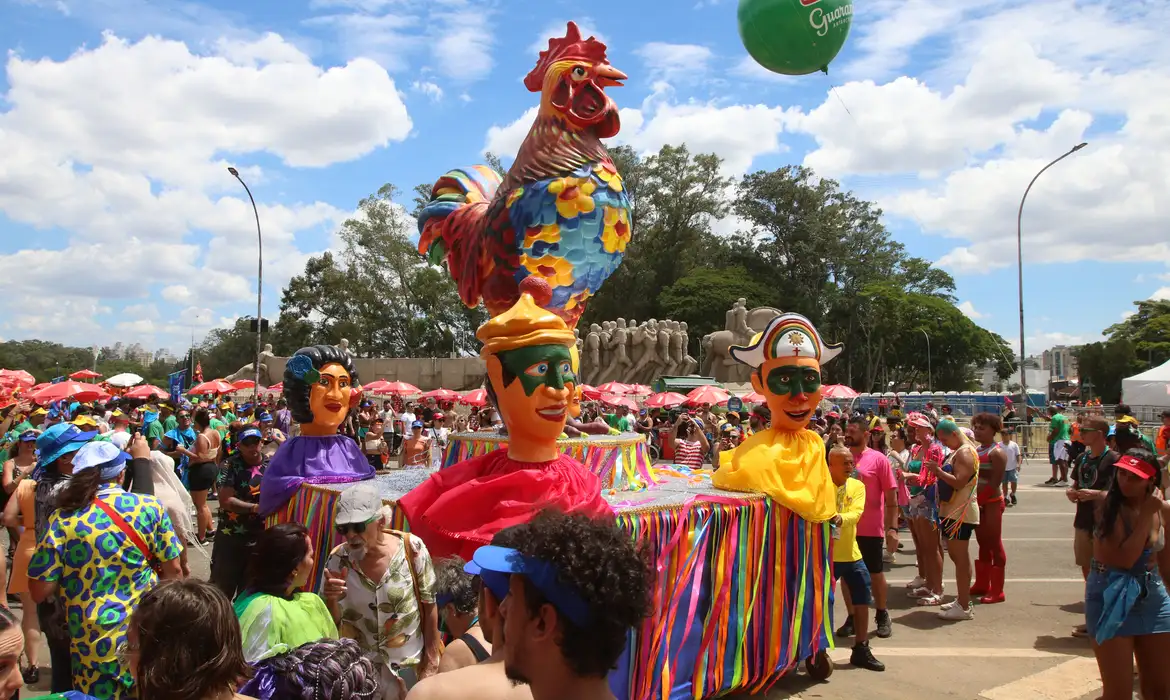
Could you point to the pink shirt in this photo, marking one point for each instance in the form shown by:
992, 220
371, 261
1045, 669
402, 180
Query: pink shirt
873, 469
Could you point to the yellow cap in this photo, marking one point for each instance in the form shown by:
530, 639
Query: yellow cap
526, 323
39, 412
85, 422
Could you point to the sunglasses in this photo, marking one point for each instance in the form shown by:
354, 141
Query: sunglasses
356, 528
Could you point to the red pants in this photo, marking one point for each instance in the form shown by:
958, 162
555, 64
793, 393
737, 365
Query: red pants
989, 534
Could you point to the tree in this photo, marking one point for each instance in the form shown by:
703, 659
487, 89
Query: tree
699, 299
1106, 364
1148, 330
379, 293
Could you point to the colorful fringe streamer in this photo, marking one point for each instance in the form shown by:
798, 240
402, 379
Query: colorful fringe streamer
622, 463
742, 595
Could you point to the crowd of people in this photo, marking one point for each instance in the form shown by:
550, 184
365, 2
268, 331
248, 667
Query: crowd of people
102, 502
103, 508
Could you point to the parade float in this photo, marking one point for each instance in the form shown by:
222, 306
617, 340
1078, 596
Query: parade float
743, 588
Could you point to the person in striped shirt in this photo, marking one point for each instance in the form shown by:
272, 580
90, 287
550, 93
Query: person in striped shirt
690, 442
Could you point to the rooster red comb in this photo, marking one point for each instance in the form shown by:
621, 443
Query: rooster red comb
572, 47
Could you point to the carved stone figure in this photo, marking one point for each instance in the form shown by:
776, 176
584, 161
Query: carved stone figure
267, 365
742, 325
619, 345
591, 355
690, 364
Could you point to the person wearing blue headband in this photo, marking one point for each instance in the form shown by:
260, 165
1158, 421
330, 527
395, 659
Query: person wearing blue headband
576, 587
102, 550
461, 667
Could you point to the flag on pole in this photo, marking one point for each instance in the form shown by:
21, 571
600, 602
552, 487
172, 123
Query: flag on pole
198, 373
177, 380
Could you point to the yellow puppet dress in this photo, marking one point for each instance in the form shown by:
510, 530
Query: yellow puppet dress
787, 465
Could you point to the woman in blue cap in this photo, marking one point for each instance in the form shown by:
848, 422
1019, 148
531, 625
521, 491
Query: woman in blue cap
56, 447
101, 551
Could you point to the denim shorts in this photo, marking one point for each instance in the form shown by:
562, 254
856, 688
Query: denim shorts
1012, 476
855, 575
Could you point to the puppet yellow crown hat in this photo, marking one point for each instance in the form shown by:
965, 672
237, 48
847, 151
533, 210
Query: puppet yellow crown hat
787, 335
526, 323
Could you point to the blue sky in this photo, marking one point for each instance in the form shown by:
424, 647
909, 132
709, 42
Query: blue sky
118, 118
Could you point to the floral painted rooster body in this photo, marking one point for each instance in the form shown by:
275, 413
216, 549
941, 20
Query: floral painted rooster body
560, 213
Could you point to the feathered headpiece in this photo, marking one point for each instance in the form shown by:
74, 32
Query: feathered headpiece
572, 47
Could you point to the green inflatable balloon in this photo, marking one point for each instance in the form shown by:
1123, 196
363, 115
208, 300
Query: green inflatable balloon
794, 37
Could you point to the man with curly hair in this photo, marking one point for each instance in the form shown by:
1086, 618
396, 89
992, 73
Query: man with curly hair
576, 586
486, 677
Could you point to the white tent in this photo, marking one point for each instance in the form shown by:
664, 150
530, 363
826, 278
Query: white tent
1150, 388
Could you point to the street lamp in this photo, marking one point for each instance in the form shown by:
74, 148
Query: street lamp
259, 283
1020, 267
929, 380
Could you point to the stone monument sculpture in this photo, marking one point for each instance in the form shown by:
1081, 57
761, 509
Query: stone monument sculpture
636, 353
267, 365
741, 326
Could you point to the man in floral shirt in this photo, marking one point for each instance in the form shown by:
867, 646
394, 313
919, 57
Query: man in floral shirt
379, 585
240, 522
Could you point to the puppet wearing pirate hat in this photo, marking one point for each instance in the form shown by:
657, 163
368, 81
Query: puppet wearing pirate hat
786, 461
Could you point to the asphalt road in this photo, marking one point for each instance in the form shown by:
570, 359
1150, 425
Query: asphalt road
1021, 649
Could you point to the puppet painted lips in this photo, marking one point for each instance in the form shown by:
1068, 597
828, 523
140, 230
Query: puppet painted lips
333, 406
798, 415
552, 413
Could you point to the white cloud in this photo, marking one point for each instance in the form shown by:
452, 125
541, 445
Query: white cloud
1162, 294
556, 30
969, 311
124, 147
177, 293
427, 88
1021, 84
675, 61
737, 133
457, 35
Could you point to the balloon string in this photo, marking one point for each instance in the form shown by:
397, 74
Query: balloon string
908, 202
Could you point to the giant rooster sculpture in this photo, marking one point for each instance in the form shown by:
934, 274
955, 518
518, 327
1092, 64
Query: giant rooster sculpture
560, 213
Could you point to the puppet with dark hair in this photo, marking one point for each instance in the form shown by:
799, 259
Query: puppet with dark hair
321, 387
531, 360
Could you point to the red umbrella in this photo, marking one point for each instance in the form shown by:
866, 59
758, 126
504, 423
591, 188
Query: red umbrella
277, 387
838, 391
476, 397
242, 384
212, 388
400, 388
84, 374
69, 389
38, 387
640, 390
614, 400
589, 393
614, 388
378, 386
441, 395
668, 399
754, 397
16, 378
147, 391
708, 394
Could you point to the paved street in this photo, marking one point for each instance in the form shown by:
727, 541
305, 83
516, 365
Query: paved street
1018, 650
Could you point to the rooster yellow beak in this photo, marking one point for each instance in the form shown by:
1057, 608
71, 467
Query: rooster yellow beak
608, 76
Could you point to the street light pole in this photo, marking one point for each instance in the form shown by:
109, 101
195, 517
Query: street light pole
929, 379
259, 284
1020, 270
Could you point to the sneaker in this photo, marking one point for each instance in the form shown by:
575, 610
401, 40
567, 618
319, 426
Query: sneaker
1010, 504
862, 657
958, 613
884, 628
920, 592
1062, 482
1013, 499
930, 601
1050, 482
918, 582
846, 630
890, 558
31, 675
948, 606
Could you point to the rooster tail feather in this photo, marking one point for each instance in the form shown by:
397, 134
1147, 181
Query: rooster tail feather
451, 226
455, 189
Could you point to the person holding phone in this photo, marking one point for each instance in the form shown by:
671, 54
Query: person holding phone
690, 442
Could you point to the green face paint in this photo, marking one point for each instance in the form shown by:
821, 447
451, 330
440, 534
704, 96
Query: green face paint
538, 365
791, 380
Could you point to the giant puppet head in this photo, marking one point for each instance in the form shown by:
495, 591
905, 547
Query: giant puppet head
321, 386
787, 359
530, 354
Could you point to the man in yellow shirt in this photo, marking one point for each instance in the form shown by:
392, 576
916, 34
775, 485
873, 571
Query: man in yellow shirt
848, 566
